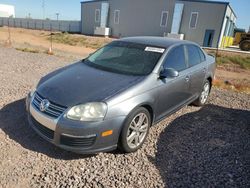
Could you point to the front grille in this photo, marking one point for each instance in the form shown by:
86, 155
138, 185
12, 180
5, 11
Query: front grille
42, 129
77, 142
54, 110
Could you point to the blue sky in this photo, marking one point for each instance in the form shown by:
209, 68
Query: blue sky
71, 9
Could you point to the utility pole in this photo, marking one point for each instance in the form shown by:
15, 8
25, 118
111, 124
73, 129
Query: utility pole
28, 20
50, 52
8, 42
43, 7
57, 16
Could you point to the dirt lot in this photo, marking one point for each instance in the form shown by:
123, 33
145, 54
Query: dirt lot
208, 147
40, 41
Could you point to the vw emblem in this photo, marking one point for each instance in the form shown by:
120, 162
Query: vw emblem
44, 105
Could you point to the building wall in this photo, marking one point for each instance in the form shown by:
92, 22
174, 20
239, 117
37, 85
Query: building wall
210, 17
137, 17
88, 17
140, 17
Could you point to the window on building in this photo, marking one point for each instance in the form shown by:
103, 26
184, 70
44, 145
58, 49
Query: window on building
231, 29
193, 20
176, 59
117, 16
97, 15
226, 27
164, 18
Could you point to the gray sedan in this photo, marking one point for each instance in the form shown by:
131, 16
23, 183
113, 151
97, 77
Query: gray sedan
112, 98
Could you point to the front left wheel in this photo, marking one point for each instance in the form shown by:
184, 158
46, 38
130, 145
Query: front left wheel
135, 130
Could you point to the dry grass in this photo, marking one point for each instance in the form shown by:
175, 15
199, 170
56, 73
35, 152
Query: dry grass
28, 50
31, 50
232, 63
243, 62
79, 40
230, 58
243, 88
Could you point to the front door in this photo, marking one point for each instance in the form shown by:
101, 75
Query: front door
208, 38
173, 92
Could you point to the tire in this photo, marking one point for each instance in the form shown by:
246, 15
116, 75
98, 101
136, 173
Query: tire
245, 45
202, 99
134, 132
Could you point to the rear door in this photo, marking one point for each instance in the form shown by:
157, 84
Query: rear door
197, 68
173, 92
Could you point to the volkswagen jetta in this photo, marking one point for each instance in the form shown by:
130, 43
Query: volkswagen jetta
111, 98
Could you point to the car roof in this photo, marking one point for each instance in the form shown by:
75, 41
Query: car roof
164, 42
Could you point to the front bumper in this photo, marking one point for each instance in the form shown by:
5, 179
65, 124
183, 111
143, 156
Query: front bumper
75, 136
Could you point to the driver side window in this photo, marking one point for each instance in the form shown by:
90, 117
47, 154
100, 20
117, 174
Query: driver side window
176, 59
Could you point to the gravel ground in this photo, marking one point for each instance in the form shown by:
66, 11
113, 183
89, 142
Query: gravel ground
208, 147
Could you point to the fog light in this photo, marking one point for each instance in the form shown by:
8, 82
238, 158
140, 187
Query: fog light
107, 133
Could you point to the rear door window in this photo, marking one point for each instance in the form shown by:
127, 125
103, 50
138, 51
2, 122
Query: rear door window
202, 55
176, 59
194, 57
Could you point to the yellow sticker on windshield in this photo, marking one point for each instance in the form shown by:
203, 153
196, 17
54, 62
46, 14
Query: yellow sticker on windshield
154, 49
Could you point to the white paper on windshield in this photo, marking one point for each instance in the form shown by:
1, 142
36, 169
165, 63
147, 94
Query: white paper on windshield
154, 49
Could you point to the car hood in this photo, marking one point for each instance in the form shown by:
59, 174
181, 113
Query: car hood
80, 83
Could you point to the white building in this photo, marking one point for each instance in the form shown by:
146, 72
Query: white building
7, 11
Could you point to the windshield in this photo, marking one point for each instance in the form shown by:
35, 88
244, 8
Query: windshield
126, 58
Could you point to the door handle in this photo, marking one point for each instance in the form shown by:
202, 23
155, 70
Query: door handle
187, 78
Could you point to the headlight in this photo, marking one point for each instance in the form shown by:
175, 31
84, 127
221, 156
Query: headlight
88, 112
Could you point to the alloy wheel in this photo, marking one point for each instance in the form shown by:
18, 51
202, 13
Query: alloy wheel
137, 130
205, 93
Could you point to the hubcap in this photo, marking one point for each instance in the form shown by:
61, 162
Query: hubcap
137, 130
205, 93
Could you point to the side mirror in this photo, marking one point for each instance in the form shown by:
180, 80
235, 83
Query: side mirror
169, 73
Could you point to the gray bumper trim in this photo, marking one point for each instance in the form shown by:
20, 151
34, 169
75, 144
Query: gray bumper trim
41, 118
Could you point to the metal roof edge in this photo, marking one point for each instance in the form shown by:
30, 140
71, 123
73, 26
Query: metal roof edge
232, 10
207, 1
94, 1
